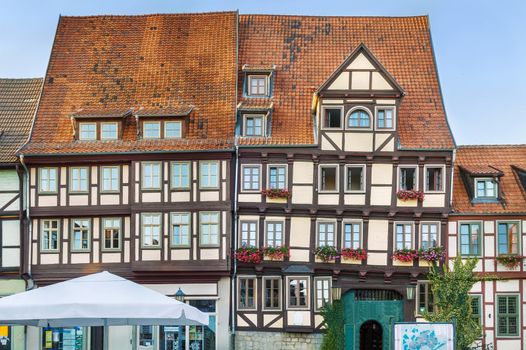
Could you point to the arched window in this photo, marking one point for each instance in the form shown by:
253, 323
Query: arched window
359, 118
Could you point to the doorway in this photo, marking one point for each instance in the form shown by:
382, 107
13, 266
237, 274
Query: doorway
371, 336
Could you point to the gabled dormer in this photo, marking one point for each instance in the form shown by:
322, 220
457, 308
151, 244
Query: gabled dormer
103, 125
254, 119
258, 80
482, 183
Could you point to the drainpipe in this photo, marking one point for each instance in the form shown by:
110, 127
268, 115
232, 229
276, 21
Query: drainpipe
29, 223
234, 270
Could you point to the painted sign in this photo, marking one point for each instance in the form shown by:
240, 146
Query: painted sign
424, 336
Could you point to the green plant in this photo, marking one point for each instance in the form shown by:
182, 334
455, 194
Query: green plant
510, 261
327, 253
450, 289
276, 253
333, 321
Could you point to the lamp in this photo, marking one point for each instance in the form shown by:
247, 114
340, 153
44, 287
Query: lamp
336, 293
410, 291
179, 295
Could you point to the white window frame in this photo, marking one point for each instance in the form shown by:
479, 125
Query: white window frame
342, 118
443, 167
320, 167
248, 221
243, 189
316, 291
364, 183
263, 124
88, 138
439, 231
143, 229
335, 232
72, 234
173, 175
278, 165
80, 180
383, 107
40, 182
111, 169
143, 173
274, 222
399, 176
58, 231
352, 222
348, 116
116, 131
165, 127
144, 136
396, 223
485, 179
254, 278
258, 76
202, 175
280, 297
209, 223
307, 297
111, 227
173, 222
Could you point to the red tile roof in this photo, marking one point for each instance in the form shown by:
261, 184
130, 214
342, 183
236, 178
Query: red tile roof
508, 159
307, 50
18, 103
151, 61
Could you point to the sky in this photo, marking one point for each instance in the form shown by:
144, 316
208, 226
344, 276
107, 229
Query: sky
479, 45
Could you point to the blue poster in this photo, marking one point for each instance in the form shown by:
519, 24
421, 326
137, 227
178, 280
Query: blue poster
424, 336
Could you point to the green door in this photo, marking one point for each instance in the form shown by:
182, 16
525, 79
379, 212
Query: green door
360, 306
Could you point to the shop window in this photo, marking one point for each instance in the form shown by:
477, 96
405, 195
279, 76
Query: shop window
146, 336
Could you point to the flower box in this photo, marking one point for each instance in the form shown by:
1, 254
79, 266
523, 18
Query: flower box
249, 255
405, 196
275, 193
432, 255
276, 253
326, 253
354, 254
405, 255
510, 261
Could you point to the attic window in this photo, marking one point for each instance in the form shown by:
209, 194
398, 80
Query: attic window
486, 188
152, 130
87, 131
258, 85
332, 117
359, 118
254, 125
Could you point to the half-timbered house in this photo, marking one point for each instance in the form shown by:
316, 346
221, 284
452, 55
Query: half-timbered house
343, 145
489, 222
18, 102
129, 159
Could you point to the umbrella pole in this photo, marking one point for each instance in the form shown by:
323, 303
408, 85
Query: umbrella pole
106, 335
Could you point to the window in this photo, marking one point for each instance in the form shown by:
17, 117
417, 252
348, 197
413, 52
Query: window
146, 336
87, 131
151, 230
274, 236
48, 180
323, 288
209, 228
434, 182
355, 179
359, 118
181, 175
180, 229
352, 232
326, 234
332, 117
425, 300
407, 179
428, 235
328, 178
110, 179
508, 239
254, 125
257, 85
476, 308
109, 131
50, 235
249, 233
272, 293
277, 177
251, 178
247, 293
470, 240
172, 130
151, 176
112, 233
508, 315
298, 292
151, 130
209, 174
385, 118
78, 179
80, 234
404, 236
486, 188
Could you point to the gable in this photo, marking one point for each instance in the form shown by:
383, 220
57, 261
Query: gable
361, 72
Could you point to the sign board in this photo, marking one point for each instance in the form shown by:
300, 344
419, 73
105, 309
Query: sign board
424, 336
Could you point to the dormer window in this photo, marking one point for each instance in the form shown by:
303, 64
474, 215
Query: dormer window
254, 125
486, 188
151, 130
332, 117
172, 130
258, 85
109, 131
359, 118
87, 131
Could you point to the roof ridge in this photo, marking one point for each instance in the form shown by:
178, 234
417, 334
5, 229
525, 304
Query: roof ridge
329, 16
21, 79
152, 14
504, 145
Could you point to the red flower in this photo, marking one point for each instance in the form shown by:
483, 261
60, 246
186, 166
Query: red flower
276, 193
354, 254
410, 195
